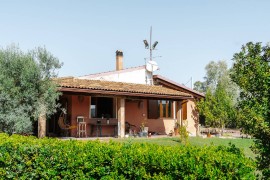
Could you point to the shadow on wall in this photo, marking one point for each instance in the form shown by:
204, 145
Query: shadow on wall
136, 115
195, 117
157, 126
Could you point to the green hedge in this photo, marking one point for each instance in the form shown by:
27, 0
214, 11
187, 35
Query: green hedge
31, 158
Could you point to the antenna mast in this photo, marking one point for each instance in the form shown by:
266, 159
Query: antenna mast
151, 43
151, 65
150, 46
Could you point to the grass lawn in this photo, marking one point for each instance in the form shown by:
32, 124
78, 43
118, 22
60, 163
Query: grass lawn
243, 144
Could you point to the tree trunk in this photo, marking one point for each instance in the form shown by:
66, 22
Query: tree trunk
42, 125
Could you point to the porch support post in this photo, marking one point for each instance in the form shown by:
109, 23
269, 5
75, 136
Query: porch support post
42, 125
178, 112
121, 117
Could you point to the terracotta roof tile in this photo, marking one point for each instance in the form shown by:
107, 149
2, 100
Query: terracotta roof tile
192, 91
117, 86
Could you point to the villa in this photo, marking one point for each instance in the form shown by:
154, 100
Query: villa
124, 102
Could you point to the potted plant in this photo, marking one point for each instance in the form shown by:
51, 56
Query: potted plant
143, 128
209, 133
176, 129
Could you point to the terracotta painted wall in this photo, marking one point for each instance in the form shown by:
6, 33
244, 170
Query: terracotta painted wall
136, 113
161, 126
192, 118
79, 107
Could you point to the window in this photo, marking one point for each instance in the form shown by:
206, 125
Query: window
102, 107
159, 109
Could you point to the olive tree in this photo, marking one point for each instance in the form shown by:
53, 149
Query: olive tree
251, 72
26, 89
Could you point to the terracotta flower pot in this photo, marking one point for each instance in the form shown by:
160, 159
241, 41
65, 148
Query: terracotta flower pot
176, 131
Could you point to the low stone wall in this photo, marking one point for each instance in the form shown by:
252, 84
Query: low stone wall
236, 133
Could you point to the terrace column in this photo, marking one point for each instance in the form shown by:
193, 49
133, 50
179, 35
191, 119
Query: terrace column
121, 117
178, 112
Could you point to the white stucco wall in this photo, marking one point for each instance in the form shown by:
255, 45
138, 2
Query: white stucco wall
138, 76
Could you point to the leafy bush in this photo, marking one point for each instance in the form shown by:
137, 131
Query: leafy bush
184, 134
31, 158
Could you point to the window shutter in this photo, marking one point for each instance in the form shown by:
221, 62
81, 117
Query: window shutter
184, 110
160, 109
167, 109
153, 109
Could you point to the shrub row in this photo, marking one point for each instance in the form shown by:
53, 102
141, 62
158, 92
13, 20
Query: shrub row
31, 158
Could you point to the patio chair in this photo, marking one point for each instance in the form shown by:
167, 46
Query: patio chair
81, 127
130, 129
63, 125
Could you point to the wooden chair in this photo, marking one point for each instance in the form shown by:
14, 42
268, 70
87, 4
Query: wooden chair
81, 127
62, 124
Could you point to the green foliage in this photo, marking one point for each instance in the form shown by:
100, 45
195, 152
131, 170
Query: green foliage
200, 86
251, 73
32, 158
218, 107
216, 73
26, 89
243, 144
183, 134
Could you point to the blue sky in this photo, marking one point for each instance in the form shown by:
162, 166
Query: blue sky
85, 34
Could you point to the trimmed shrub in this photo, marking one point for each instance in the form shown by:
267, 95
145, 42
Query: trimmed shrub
31, 158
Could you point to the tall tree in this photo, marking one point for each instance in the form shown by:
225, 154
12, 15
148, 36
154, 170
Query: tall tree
220, 96
216, 73
251, 72
200, 86
26, 89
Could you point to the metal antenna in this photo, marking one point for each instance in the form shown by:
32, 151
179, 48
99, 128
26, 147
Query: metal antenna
150, 46
151, 65
151, 43
191, 83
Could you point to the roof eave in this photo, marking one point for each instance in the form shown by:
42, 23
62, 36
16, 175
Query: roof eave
161, 78
123, 93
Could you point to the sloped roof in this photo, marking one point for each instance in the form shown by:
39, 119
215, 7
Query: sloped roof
118, 88
174, 85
